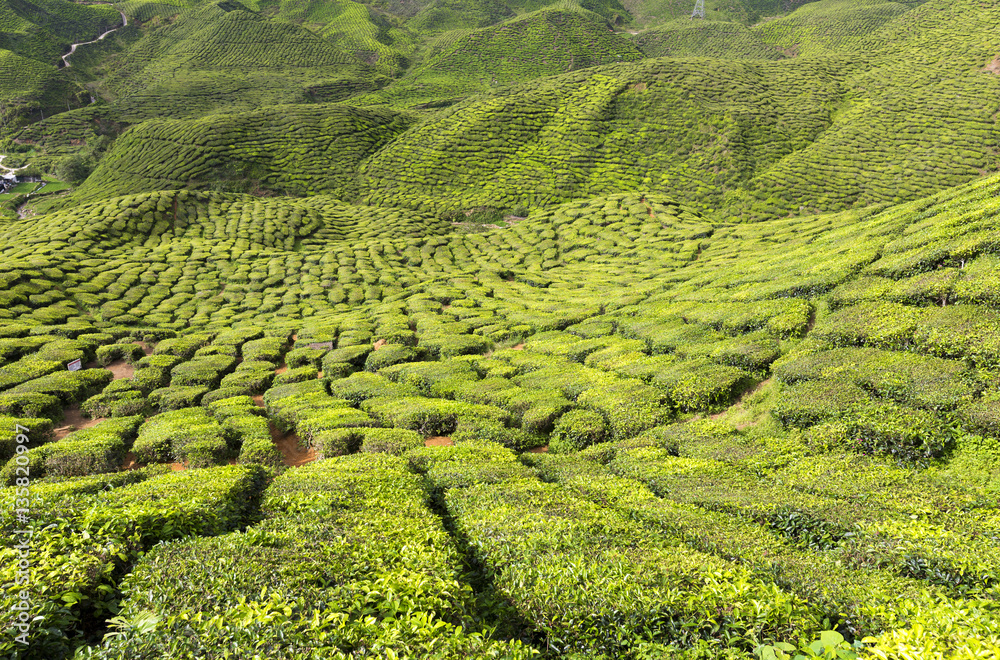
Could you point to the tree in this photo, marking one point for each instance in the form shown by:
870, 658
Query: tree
74, 169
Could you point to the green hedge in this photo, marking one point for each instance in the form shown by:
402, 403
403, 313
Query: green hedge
129, 352
576, 430
166, 437
98, 449
357, 581
430, 416
86, 536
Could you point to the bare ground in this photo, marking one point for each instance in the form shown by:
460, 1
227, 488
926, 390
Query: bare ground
74, 420
130, 463
288, 444
121, 369
438, 441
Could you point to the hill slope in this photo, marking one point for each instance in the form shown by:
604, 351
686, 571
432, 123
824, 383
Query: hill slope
297, 150
685, 357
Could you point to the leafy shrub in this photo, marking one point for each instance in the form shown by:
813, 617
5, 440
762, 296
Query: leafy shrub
389, 355
470, 430
89, 529
430, 416
362, 386
329, 511
628, 407
182, 347
296, 375
40, 431
205, 452
203, 371
576, 430
129, 352
390, 441
266, 348
164, 438
30, 404
438, 379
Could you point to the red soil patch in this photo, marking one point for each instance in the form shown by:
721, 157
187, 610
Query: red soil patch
258, 400
121, 369
639, 87
539, 450
288, 444
438, 441
519, 347
282, 369
130, 462
994, 66
74, 421
379, 344
146, 348
295, 336
177, 467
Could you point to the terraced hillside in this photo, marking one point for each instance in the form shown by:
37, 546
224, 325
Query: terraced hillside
465, 329
298, 149
223, 55
532, 45
33, 35
686, 376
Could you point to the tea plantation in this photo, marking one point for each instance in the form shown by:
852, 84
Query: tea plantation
459, 329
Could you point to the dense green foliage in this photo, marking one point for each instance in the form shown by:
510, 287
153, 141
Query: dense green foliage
502, 329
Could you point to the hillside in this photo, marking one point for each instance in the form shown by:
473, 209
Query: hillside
452, 329
296, 150
629, 312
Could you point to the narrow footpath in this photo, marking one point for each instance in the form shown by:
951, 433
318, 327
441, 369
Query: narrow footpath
72, 48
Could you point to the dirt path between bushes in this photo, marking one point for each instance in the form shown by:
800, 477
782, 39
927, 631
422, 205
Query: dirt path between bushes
287, 443
74, 420
121, 369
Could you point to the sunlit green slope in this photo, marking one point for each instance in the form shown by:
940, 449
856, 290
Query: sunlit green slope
530, 46
33, 36
224, 56
297, 150
849, 362
740, 138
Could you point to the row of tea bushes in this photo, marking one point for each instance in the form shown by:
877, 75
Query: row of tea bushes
332, 572
95, 450
591, 581
287, 149
245, 425
87, 532
946, 552
860, 607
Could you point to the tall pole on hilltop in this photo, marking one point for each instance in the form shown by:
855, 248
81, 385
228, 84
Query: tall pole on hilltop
699, 9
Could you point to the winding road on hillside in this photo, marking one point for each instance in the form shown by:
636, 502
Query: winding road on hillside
8, 169
72, 48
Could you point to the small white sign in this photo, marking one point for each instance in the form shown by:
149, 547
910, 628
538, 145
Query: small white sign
75, 365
